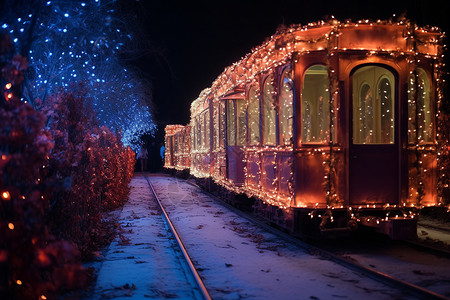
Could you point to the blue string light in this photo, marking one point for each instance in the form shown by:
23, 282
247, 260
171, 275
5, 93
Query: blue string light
63, 52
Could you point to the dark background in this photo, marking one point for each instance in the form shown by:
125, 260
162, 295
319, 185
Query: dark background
187, 44
191, 42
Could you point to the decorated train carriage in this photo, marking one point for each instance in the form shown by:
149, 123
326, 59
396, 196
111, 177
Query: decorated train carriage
201, 136
330, 126
178, 147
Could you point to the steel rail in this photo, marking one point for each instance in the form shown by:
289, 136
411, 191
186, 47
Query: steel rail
407, 287
201, 286
444, 229
421, 246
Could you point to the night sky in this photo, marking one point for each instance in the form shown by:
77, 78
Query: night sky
191, 42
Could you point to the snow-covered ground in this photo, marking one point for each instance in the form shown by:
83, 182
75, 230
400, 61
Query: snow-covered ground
415, 266
439, 232
141, 262
236, 259
239, 260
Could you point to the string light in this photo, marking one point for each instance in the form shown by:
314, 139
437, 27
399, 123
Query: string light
6, 196
61, 59
255, 70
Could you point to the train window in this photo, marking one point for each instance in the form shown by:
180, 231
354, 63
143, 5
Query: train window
422, 114
373, 109
199, 133
207, 130
216, 126
241, 121
387, 117
203, 130
253, 115
315, 106
365, 110
307, 121
221, 123
286, 107
268, 110
231, 123
194, 134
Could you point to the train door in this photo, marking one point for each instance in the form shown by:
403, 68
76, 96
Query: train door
235, 139
374, 138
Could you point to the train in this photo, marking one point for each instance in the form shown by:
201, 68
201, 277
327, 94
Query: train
328, 127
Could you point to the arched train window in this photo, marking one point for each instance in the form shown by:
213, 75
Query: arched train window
268, 110
241, 122
253, 116
231, 123
315, 105
286, 107
373, 106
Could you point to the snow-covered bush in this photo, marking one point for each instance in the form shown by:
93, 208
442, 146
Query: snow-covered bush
55, 180
90, 42
92, 166
32, 261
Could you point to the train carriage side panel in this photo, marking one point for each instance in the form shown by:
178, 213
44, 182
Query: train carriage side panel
312, 129
348, 139
218, 153
201, 136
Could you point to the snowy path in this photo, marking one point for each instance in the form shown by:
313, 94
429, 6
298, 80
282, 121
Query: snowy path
141, 263
438, 233
238, 260
399, 260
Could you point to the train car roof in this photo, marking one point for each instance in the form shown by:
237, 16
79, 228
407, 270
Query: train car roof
402, 37
173, 129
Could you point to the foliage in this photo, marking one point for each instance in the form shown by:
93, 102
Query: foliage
12, 67
93, 167
32, 261
72, 41
54, 183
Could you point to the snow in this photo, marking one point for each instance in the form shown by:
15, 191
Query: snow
433, 233
235, 258
411, 265
143, 264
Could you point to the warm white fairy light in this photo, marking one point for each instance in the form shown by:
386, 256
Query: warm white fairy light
278, 52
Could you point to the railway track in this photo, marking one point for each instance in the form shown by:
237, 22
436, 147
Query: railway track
385, 278
407, 287
438, 251
446, 230
192, 205
408, 265
200, 290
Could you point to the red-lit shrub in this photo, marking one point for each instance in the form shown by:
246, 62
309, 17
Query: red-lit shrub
32, 261
115, 167
54, 184
94, 167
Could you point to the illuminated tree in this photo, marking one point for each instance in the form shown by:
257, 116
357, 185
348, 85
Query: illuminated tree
81, 41
54, 184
